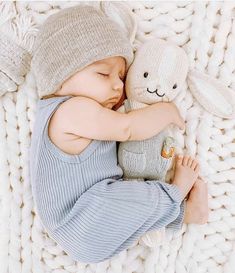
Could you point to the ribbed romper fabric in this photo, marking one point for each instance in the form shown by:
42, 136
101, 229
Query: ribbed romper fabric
83, 202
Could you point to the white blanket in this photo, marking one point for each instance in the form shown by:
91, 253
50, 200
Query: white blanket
207, 31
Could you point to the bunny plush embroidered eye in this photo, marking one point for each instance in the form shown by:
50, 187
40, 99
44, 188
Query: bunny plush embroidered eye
157, 74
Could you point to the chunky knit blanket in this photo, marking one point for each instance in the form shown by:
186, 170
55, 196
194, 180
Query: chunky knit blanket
208, 29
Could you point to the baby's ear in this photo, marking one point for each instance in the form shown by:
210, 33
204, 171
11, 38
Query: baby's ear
121, 13
212, 94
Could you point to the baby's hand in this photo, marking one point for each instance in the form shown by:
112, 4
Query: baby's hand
197, 210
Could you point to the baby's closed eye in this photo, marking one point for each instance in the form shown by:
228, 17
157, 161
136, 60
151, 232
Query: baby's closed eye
107, 75
104, 75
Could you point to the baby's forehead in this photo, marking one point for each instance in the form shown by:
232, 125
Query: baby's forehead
102, 62
111, 62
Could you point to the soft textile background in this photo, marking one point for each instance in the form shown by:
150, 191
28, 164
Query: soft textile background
206, 30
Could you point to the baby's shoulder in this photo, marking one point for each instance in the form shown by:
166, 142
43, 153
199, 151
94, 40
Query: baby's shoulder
58, 130
69, 110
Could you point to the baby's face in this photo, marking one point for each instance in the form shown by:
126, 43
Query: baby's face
101, 81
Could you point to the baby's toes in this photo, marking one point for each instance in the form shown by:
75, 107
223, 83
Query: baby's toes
194, 164
179, 160
185, 160
197, 168
190, 161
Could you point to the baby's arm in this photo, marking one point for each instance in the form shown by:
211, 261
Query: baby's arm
87, 118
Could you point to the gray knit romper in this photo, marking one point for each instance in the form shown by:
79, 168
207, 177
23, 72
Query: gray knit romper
84, 204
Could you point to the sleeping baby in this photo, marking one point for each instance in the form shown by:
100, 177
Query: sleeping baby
80, 60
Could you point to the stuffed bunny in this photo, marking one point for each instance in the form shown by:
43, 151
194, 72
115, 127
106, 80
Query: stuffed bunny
157, 74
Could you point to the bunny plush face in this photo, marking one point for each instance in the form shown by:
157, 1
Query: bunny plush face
157, 73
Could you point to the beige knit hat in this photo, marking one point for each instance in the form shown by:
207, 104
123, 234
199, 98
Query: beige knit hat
72, 39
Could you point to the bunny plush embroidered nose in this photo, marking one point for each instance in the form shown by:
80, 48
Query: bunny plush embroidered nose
157, 74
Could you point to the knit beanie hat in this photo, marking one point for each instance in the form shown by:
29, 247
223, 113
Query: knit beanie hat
70, 40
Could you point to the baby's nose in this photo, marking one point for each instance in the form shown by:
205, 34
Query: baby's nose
118, 85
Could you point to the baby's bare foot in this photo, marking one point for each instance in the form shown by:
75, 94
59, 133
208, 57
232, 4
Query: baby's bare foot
186, 173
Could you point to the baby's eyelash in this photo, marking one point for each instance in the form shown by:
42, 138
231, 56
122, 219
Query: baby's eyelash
105, 75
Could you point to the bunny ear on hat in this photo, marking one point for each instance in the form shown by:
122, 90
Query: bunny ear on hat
16, 39
212, 94
121, 13
14, 64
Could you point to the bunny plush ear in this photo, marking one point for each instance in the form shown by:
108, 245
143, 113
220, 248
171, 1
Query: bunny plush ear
212, 94
121, 13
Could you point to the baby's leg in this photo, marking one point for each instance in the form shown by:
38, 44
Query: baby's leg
197, 204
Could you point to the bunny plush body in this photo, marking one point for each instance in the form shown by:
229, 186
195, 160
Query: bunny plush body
158, 74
